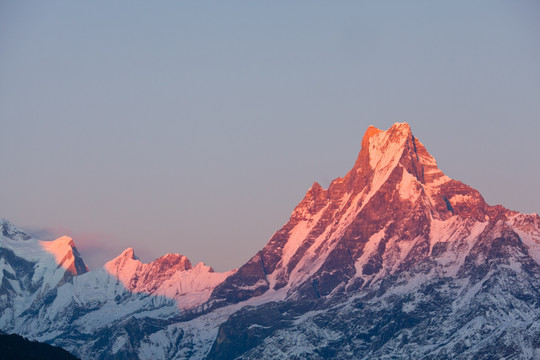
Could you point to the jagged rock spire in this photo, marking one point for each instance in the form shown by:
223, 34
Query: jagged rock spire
394, 189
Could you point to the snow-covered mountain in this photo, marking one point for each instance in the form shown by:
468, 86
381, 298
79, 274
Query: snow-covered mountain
394, 260
30, 269
48, 294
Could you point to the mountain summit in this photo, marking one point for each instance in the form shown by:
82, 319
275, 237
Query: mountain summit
415, 258
394, 260
375, 220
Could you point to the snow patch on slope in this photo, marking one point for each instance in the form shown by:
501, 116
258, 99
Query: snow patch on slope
318, 252
298, 234
408, 187
458, 237
369, 248
524, 226
384, 155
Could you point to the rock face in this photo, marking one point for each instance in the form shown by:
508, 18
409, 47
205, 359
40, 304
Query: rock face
400, 260
394, 260
380, 219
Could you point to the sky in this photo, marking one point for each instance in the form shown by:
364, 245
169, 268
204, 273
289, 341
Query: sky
195, 127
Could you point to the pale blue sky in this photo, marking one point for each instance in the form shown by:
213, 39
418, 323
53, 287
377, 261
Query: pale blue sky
196, 127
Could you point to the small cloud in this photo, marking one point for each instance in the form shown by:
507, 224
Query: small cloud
95, 248
48, 233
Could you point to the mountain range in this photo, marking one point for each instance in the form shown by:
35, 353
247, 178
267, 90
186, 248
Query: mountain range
395, 260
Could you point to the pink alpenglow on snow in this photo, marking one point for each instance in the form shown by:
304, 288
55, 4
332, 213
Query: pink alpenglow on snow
171, 276
65, 254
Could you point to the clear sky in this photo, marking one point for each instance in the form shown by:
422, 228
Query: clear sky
195, 127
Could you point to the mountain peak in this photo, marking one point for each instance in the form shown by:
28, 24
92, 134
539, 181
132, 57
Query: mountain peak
402, 126
66, 254
380, 148
370, 132
128, 253
169, 261
383, 151
394, 190
10, 231
398, 129
386, 146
